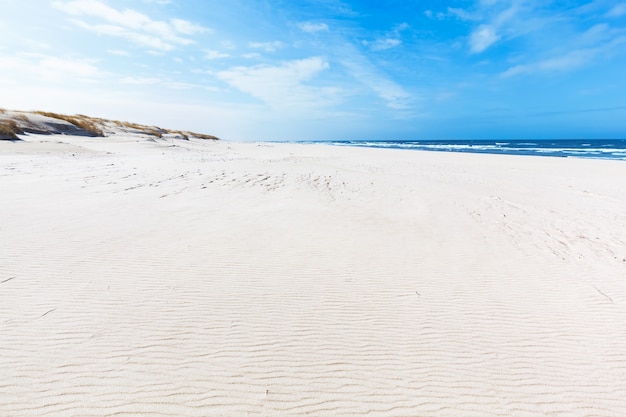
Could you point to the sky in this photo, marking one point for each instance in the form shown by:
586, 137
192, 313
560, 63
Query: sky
324, 69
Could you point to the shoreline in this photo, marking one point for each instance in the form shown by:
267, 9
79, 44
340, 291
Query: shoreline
612, 149
189, 277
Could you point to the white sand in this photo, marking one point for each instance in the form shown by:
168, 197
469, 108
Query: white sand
223, 279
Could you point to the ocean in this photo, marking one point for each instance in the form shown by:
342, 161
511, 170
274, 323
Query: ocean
578, 148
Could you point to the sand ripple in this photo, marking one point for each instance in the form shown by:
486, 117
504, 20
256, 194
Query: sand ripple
284, 280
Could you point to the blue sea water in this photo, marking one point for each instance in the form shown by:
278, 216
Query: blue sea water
579, 148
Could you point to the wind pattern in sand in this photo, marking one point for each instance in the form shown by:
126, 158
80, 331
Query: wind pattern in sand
186, 278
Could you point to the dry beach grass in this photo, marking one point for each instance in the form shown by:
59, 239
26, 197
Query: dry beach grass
9, 129
85, 123
13, 123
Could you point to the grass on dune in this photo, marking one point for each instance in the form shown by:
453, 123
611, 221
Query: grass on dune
148, 130
9, 129
79, 120
22, 117
159, 132
202, 136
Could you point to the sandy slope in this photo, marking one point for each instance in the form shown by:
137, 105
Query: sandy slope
188, 278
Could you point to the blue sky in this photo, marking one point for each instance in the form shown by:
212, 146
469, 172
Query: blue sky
324, 69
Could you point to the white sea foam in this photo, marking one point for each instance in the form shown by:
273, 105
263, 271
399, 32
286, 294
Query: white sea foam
544, 148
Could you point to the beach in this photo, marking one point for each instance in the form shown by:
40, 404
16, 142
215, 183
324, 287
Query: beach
169, 277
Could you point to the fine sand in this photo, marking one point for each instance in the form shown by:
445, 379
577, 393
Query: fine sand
190, 278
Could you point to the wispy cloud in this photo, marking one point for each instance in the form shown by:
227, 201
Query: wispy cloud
185, 27
617, 10
391, 39
589, 47
51, 68
140, 80
118, 52
156, 81
337, 7
382, 44
459, 13
482, 38
452, 12
566, 62
570, 60
267, 46
311, 27
393, 94
213, 54
283, 86
130, 24
493, 21
596, 35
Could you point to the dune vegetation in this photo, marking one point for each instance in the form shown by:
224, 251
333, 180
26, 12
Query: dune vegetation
13, 123
80, 121
9, 129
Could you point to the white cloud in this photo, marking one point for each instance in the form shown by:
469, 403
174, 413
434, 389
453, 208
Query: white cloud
390, 40
617, 10
590, 47
118, 52
507, 15
460, 13
497, 20
186, 28
162, 82
140, 80
282, 86
382, 44
567, 62
130, 24
362, 70
482, 38
401, 27
596, 34
228, 45
212, 54
311, 27
51, 68
153, 42
266, 46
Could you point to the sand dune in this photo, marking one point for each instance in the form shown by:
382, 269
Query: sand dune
14, 123
194, 278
